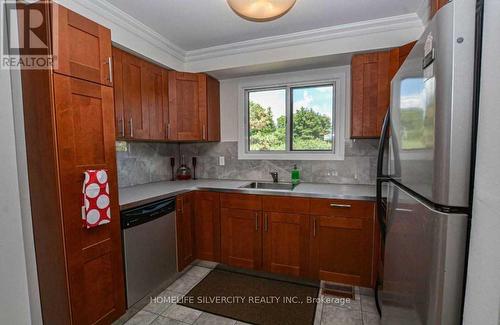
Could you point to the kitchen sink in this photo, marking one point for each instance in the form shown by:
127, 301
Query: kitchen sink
269, 186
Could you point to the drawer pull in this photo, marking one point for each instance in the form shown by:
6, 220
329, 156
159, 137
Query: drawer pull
342, 206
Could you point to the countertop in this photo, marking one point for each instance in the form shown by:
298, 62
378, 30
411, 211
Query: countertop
134, 196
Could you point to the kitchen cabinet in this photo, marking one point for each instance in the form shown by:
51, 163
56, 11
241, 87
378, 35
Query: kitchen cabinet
207, 226
342, 241
286, 243
68, 114
188, 106
83, 47
185, 230
154, 104
286, 235
194, 108
141, 98
371, 75
370, 93
241, 230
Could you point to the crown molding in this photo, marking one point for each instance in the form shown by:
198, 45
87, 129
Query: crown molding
128, 32
402, 22
110, 16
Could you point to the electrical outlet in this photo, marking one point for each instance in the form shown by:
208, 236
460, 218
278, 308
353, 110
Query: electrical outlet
222, 161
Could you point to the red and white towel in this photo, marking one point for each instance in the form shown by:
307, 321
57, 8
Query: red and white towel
95, 199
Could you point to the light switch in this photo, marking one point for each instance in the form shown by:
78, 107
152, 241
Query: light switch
222, 161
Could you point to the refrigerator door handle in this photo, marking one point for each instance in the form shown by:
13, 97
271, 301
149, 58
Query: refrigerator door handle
381, 146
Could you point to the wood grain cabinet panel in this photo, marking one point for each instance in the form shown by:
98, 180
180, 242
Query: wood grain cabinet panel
213, 110
154, 101
187, 103
342, 249
371, 75
286, 243
370, 93
83, 47
133, 97
68, 116
86, 141
207, 226
241, 237
185, 230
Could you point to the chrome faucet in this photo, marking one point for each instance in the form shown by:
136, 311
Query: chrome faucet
274, 176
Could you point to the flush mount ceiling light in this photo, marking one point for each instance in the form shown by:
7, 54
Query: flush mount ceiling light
261, 10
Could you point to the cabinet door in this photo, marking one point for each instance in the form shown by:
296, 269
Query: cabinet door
342, 249
86, 140
187, 106
153, 96
118, 91
241, 238
207, 226
286, 243
213, 110
134, 87
83, 47
370, 93
185, 230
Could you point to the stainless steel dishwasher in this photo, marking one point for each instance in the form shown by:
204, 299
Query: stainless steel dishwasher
149, 247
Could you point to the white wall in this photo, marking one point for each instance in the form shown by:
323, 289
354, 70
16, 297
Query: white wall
17, 293
229, 92
482, 298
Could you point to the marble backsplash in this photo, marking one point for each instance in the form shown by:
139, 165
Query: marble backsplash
146, 162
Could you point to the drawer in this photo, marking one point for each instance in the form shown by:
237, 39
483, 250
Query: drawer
342, 208
286, 204
241, 201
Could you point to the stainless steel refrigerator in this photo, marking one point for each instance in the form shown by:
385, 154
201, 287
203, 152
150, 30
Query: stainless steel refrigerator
425, 161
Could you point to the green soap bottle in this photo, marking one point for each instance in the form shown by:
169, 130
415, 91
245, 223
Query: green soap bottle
295, 175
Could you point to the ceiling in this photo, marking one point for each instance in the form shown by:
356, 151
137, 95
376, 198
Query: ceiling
194, 24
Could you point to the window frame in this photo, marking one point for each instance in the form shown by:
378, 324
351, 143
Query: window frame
339, 77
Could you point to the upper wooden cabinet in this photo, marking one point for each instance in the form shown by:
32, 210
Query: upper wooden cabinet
83, 47
141, 98
188, 106
194, 112
371, 75
370, 93
153, 103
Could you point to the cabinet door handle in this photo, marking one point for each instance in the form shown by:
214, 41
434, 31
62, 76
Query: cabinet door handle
314, 227
110, 67
122, 131
131, 123
342, 206
166, 130
266, 222
256, 221
203, 131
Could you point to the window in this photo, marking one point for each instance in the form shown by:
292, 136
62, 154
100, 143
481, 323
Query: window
297, 120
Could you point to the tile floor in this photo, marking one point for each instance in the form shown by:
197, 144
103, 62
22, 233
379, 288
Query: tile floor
360, 311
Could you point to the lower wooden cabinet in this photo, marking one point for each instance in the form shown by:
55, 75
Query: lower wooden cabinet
333, 240
241, 238
185, 230
286, 243
207, 226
